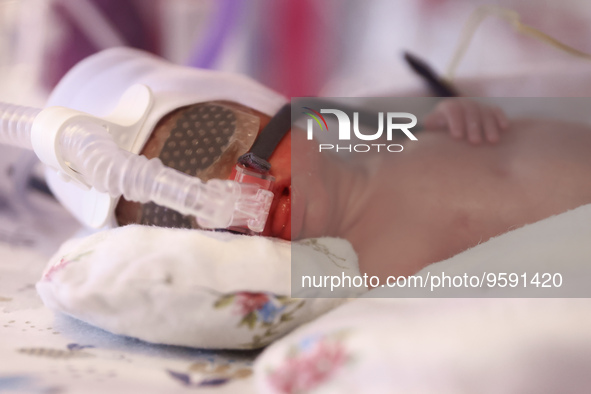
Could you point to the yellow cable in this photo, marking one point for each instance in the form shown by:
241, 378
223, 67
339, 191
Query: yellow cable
510, 16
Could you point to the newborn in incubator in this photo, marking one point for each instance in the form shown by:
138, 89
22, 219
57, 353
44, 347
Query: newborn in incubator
447, 192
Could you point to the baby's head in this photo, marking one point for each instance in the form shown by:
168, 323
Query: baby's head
196, 121
206, 140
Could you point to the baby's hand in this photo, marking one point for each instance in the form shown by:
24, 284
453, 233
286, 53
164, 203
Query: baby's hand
466, 118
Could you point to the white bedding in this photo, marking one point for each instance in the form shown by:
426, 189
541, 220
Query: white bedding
429, 345
370, 345
192, 288
41, 352
478, 345
44, 353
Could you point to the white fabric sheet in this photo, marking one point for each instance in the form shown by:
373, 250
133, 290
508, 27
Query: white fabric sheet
479, 345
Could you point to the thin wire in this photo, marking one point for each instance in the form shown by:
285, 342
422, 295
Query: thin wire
513, 18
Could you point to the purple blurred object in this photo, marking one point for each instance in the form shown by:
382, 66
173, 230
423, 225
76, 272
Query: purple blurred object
208, 50
125, 26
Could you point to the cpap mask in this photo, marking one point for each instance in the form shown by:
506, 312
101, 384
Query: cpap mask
190, 126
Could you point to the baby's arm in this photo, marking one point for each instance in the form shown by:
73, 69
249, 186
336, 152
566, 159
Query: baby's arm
468, 119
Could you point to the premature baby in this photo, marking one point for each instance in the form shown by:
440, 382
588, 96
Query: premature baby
472, 175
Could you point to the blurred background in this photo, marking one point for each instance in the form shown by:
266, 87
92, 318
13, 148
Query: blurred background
300, 48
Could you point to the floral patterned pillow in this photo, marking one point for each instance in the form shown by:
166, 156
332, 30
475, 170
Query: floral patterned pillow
435, 346
189, 287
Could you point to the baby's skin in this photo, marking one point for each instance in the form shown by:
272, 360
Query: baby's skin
472, 175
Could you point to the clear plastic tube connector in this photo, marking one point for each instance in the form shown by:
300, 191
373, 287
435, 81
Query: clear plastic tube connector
253, 207
80, 148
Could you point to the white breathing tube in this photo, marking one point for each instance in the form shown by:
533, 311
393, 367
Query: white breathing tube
81, 148
15, 125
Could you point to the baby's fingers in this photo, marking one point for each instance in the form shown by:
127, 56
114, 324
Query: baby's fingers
465, 118
501, 118
447, 115
453, 113
491, 126
473, 119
